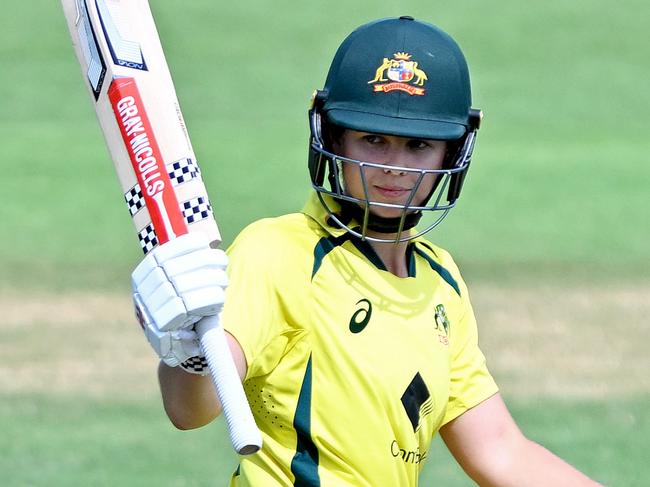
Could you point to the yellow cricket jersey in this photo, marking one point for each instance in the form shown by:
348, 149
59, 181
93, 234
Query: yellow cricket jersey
351, 369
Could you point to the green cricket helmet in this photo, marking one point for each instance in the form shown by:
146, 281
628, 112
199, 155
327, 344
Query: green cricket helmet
401, 77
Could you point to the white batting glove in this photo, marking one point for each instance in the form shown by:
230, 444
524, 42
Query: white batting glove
174, 286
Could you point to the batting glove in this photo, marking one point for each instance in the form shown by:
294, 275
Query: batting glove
174, 286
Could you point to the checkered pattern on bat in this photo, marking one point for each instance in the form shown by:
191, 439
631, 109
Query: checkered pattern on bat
179, 172
196, 209
183, 170
196, 365
134, 199
148, 238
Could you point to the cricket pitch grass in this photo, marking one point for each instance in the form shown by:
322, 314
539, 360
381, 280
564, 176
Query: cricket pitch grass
540, 342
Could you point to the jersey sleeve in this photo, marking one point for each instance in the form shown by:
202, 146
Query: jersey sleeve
253, 311
470, 382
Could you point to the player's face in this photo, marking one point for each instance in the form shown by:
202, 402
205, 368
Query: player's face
392, 186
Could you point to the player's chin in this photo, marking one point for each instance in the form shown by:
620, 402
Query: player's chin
396, 208
387, 212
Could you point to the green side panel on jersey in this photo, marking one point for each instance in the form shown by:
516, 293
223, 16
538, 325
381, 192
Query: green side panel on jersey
304, 465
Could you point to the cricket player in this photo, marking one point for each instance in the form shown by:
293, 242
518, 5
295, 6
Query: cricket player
353, 335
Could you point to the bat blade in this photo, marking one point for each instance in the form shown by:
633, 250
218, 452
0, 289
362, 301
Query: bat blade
128, 80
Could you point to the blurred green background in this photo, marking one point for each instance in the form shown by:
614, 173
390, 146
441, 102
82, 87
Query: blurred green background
556, 204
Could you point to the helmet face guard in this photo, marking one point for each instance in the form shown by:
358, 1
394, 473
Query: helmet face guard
326, 170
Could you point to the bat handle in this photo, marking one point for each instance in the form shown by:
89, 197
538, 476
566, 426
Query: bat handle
244, 434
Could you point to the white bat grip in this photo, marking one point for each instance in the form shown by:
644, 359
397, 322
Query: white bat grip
244, 434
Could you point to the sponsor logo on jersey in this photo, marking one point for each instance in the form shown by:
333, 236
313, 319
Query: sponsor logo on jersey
407, 456
361, 317
399, 73
442, 324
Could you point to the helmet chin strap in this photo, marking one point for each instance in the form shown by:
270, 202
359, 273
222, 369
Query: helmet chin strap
351, 211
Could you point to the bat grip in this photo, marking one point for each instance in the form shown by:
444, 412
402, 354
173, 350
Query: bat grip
244, 434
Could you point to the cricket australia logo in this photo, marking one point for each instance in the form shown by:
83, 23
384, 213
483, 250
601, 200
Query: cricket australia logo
399, 73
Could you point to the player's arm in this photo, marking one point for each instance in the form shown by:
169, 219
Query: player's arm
189, 399
490, 447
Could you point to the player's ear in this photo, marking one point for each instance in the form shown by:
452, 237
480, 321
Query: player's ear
333, 137
463, 154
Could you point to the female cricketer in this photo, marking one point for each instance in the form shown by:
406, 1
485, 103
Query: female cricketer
353, 335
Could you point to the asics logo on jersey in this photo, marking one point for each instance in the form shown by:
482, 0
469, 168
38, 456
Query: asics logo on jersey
361, 317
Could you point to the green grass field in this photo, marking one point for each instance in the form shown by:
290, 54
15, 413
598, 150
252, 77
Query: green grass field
552, 230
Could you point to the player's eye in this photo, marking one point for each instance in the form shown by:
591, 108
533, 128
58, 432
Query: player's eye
373, 139
418, 144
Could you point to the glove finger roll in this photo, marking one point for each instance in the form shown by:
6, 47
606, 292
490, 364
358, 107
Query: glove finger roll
143, 269
205, 301
197, 260
196, 280
151, 284
171, 316
185, 244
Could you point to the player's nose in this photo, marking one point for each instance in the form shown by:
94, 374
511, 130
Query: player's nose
397, 171
397, 158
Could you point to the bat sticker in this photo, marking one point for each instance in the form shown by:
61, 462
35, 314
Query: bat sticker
146, 159
183, 170
134, 199
196, 209
93, 59
179, 172
125, 52
148, 239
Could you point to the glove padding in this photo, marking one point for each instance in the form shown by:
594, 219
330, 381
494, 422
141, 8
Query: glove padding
174, 286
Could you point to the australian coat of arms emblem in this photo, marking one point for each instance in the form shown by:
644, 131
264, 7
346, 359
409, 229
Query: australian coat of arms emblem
399, 73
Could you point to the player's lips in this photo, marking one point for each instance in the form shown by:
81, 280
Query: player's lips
392, 191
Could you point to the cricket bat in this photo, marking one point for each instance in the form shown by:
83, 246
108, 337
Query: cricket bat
131, 88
